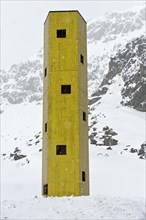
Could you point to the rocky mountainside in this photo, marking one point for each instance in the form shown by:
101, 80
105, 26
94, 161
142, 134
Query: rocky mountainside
114, 24
22, 82
130, 64
115, 45
106, 35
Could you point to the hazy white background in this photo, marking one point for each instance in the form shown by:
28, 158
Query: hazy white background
22, 23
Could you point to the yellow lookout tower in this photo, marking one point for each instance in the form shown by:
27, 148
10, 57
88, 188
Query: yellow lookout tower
65, 168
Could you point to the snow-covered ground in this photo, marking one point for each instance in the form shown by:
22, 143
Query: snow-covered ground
117, 181
92, 207
117, 190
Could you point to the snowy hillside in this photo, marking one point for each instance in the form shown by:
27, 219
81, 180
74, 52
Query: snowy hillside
117, 177
109, 34
22, 82
117, 147
129, 64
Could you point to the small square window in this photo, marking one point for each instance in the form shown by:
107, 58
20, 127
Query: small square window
84, 116
83, 176
45, 72
45, 127
65, 89
45, 189
60, 149
82, 59
61, 33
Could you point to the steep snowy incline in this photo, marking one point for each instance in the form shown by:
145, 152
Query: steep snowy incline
106, 35
128, 124
22, 82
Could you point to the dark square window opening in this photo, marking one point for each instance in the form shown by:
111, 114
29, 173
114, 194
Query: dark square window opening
45, 72
60, 149
45, 127
45, 189
83, 176
65, 89
82, 59
61, 33
84, 116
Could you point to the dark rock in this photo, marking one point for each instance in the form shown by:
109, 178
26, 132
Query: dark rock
105, 128
113, 133
94, 134
100, 91
109, 148
132, 150
137, 97
110, 132
142, 150
16, 150
143, 145
108, 141
93, 123
130, 63
127, 145
28, 161
92, 101
93, 141
142, 157
40, 150
37, 142
18, 157
105, 81
99, 144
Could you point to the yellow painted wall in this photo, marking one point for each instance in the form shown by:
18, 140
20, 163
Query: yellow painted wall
63, 111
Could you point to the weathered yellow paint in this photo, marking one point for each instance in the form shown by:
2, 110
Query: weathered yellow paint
63, 113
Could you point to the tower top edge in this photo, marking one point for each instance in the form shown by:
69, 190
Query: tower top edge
76, 11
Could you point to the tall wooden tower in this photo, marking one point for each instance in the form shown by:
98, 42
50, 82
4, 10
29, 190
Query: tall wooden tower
65, 168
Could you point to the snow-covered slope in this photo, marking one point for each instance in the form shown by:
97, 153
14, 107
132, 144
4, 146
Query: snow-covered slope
23, 82
129, 64
96, 207
117, 180
109, 34
128, 124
